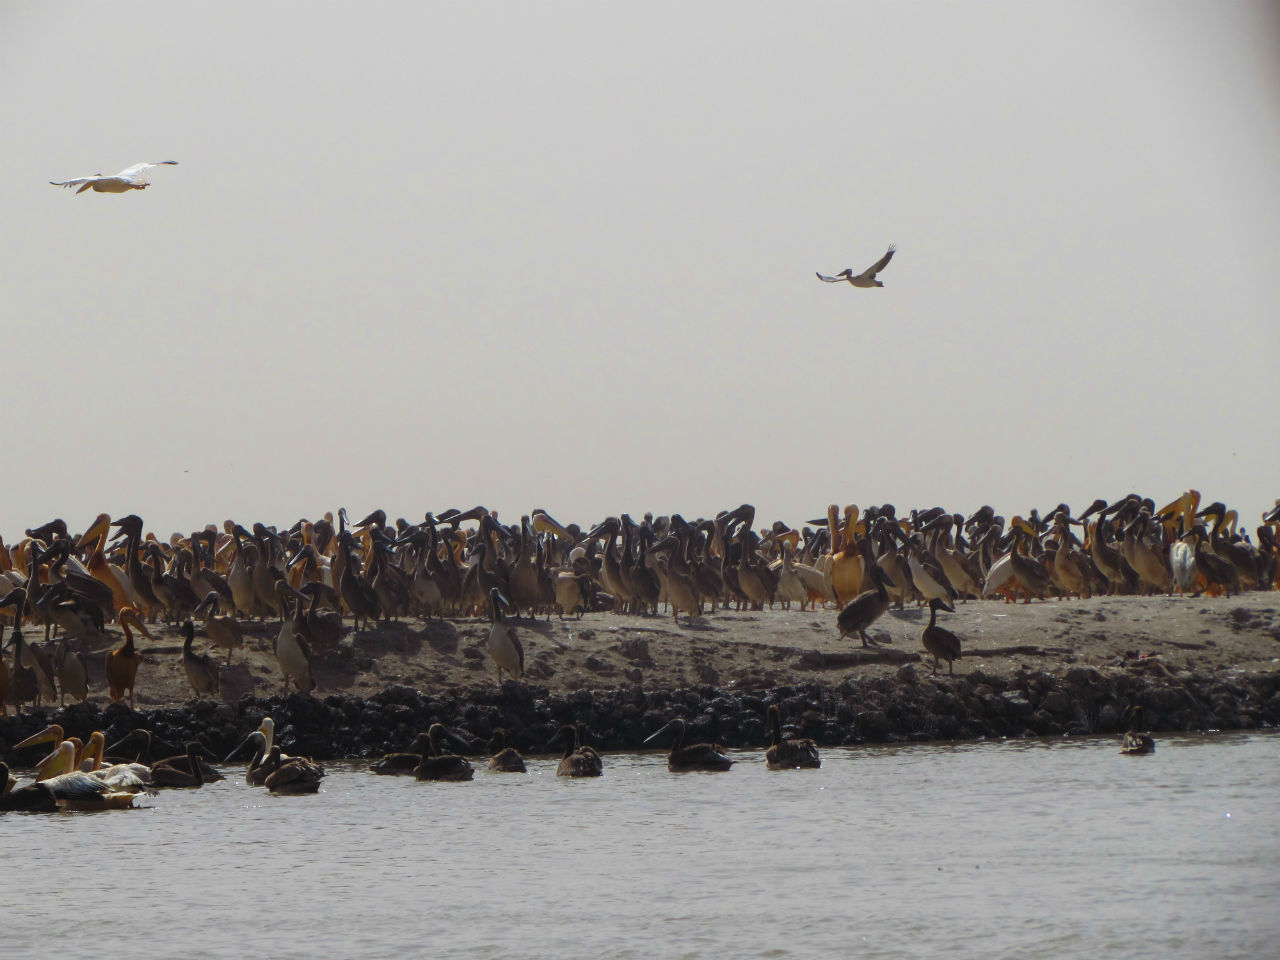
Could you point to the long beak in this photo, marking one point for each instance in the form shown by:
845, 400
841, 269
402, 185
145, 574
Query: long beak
461, 743
543, 523
657, 734
99, 527
49, 733
244, 743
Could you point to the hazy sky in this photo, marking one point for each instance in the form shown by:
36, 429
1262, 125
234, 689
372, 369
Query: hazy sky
562, 255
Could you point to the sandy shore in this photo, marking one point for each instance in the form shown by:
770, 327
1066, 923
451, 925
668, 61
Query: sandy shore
742, 650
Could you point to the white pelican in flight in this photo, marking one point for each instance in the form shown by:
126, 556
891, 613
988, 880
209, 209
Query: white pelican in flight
130, 178
867, 278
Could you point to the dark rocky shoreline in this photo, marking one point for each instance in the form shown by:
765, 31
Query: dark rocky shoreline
909, 707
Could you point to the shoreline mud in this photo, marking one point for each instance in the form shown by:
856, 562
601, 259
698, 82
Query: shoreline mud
1053, 668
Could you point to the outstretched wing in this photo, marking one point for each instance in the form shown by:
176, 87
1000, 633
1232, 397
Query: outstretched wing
838, 278
76, 182
871, 271
128, 173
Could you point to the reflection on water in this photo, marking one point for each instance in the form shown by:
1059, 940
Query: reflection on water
1024, 848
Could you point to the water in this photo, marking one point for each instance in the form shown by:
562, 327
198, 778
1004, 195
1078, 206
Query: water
1021, 849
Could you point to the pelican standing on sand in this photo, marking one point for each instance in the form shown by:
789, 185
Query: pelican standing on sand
939, 641
504, 645
867, 278
866, 608
130, 178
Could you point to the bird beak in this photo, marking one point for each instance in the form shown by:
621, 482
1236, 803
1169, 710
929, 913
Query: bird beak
655, 735
44, 736
243, 743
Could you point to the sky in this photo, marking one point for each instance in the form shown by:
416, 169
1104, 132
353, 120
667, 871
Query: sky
425, 255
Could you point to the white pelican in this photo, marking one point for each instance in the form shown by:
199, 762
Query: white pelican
77, 790
130, 178
867, 278
125, 777
504, 645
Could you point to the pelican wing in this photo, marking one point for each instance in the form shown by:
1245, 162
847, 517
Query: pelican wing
871, 271
128, 173
76, 786
838, 278
78, 181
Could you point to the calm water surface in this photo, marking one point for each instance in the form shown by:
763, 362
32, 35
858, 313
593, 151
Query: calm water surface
1020, 849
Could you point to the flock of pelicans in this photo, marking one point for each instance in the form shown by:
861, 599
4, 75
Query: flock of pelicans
78, 776
320, 578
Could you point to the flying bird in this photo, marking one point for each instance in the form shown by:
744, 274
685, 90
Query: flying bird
130, 178
867, 278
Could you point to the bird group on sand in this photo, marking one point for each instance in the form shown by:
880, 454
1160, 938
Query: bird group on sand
318, 580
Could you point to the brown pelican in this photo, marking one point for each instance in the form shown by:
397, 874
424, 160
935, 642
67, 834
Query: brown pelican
292, 774
443, 766
122, 662
788, 754
576, 761
1136, 739
939, 641
867, 278
223, 631
33, 797
201, 669
504, 759
696, 756
866, 608
168, 773
403, 764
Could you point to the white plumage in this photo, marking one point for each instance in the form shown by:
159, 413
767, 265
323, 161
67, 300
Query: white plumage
130, 178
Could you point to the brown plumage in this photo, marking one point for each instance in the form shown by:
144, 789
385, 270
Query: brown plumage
788, 754
439, 765
1136, 739
292, 774
122, 662
707, 757
866, 608
201, 669
576, 761
939, 641
504, 759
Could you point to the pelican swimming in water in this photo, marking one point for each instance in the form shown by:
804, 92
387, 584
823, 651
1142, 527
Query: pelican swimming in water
403, 764
77, 790
504, 759
292, 775
788, 754
440, 765
576, 761
696, 756
1136, 740
33, 797
867, 278
130, 178
172, 773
